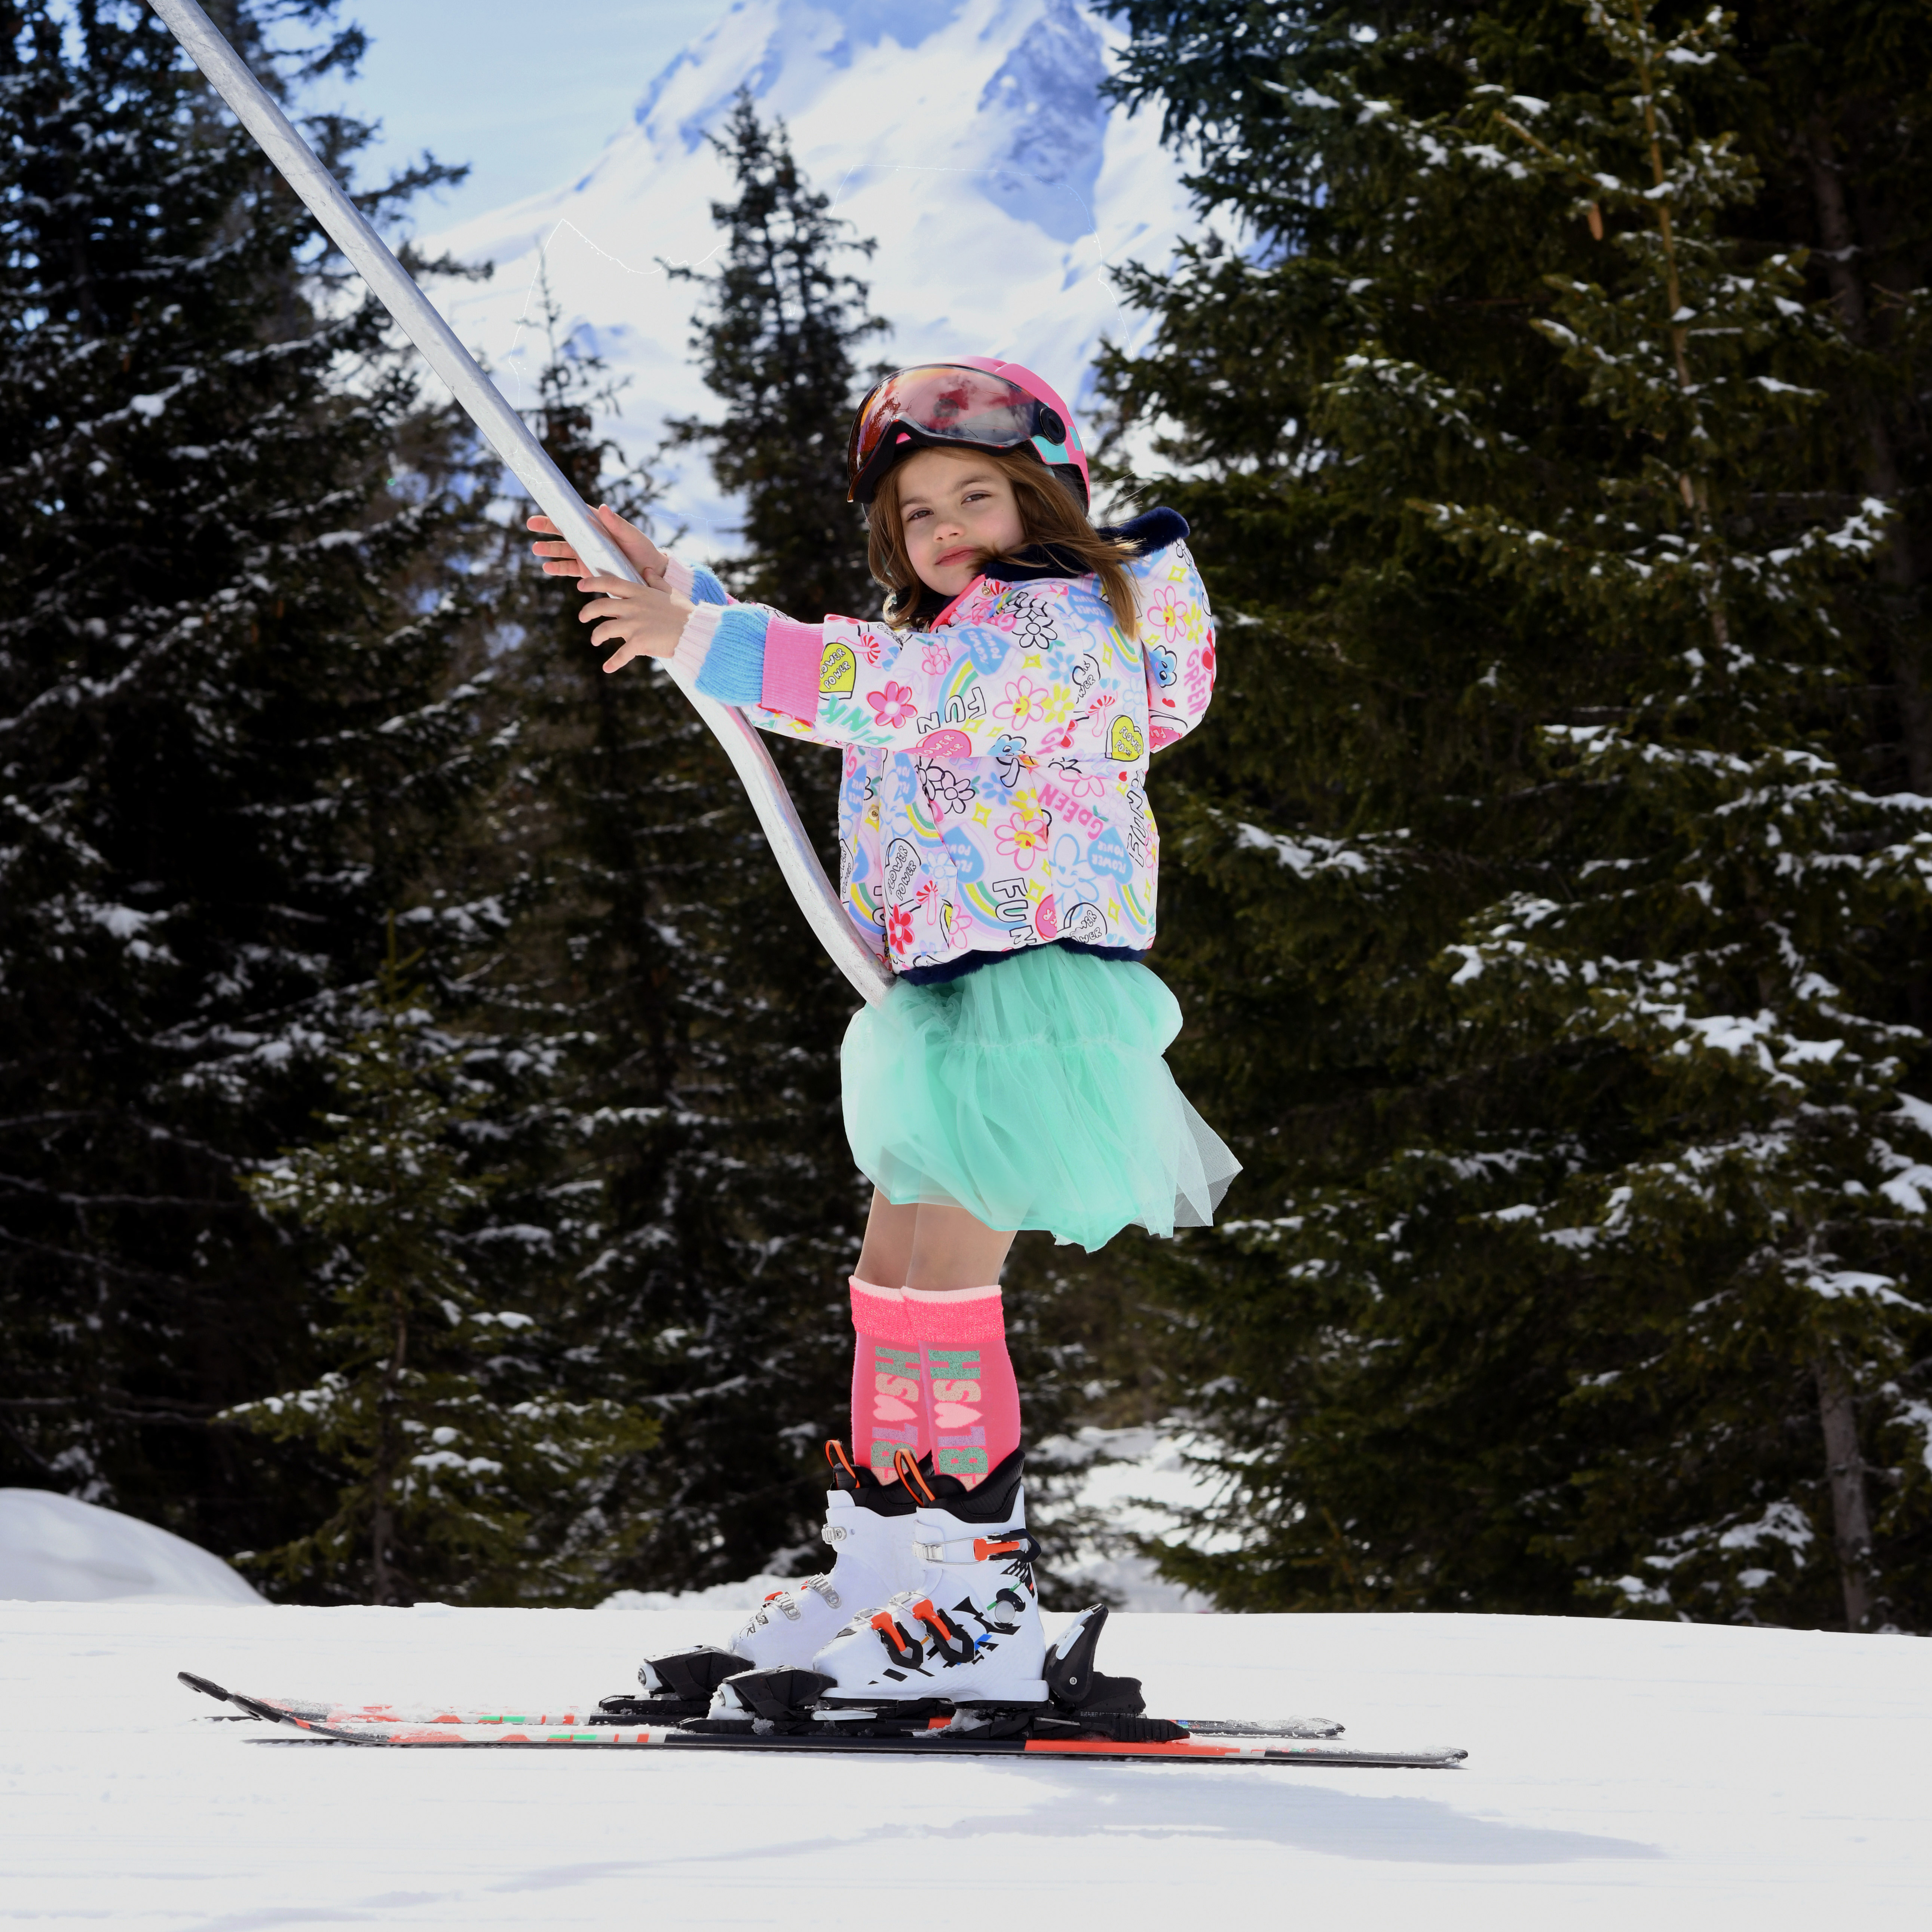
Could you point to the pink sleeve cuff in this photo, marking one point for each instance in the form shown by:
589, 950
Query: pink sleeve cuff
792, 655
677, 575
694, 641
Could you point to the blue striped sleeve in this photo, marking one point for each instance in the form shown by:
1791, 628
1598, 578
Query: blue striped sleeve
705, 589
734, 666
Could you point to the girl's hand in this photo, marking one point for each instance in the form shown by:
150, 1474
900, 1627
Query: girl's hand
645, 620
558, 559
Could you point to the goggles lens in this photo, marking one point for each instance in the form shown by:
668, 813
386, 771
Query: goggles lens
950, 403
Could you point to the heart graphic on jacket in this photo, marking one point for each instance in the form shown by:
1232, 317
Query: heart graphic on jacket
1124, 741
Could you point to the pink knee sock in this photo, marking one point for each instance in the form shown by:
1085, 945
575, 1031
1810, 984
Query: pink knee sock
973, 1401
889, 1409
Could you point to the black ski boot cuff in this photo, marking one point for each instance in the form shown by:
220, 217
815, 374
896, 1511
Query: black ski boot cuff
868, 1492
992, 1501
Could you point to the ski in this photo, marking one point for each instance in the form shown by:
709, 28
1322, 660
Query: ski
718, 1704
634, 1711
1209, 1740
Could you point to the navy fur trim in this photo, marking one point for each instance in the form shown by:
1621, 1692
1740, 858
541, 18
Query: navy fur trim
1152, 530
971, 962
1035, 562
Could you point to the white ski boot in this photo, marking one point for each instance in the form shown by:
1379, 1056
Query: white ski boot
967, 1633
870, 1525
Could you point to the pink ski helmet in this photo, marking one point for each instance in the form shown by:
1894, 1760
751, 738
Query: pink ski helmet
973, 403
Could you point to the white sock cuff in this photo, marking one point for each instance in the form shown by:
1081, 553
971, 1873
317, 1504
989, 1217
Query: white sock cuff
694, 641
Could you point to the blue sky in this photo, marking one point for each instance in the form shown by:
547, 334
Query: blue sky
527, 94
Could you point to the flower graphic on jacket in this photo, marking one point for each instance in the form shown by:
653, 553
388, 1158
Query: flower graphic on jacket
945, 790
1169, 610
899, 929
935, 660
1035, 627
1080, 783
1026, 703
892, 706
1023, 838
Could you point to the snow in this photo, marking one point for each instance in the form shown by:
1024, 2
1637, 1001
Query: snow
968, 138
56, 1548
704, 1613
1621, 1773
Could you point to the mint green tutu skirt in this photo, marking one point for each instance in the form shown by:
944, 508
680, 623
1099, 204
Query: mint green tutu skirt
1033, 1093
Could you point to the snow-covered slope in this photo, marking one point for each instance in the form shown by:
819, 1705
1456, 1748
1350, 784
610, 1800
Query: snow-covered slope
968, 138
1673, 1777
55, 1549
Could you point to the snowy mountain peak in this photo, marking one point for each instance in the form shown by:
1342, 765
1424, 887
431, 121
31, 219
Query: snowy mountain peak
969, 140
1046, 98
1041, 122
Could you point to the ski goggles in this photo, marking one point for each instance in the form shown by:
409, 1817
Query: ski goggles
940, 402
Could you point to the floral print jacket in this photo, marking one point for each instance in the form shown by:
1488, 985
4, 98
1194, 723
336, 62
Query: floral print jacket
995, 792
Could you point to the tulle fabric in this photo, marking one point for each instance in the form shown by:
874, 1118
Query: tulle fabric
1033, 1093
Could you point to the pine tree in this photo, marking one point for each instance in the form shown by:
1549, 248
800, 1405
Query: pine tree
1554, 940
233, 731
432, 1402
779, 334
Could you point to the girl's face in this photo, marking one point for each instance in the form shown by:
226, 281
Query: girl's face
955, 510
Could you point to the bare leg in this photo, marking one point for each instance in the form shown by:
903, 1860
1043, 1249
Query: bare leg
936, 1248
951, 1250
887, 1253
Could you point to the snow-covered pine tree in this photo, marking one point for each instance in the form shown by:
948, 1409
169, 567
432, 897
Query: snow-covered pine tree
230, 736
1745, 1255
1544, 1291
431, 1401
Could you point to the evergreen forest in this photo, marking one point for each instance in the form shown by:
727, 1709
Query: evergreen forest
421, 1167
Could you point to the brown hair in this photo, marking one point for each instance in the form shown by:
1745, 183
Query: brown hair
1048, 515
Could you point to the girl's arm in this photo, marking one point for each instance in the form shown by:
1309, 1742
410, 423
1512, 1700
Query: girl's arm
1177, 632
1048, 671
1053, 675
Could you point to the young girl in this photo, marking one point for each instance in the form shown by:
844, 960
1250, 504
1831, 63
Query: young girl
996, 846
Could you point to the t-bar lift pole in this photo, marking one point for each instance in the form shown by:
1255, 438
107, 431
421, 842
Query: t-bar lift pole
509, 436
